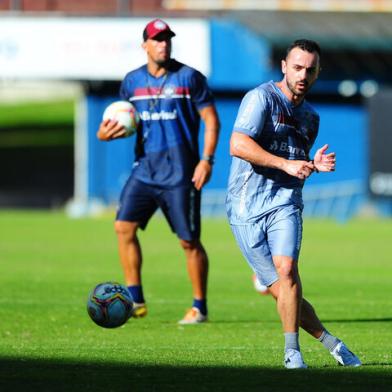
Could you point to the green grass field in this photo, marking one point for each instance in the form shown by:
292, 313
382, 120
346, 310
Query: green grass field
36, 124
49, 263
36, 113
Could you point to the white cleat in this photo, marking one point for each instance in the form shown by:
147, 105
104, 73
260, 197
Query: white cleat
293, 360
193, 316
344, 356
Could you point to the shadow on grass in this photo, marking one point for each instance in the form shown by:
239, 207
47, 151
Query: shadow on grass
46, 375
361, 320
342, 321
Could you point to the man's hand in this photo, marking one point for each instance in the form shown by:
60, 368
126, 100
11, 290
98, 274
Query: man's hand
299, 169
202, 174
110, 129
324, 162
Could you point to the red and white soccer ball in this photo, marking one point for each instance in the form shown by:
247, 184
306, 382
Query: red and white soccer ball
125, 113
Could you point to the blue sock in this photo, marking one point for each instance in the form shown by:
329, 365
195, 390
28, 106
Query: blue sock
200, 304
137, 293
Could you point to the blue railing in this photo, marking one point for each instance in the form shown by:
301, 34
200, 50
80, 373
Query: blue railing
340, 200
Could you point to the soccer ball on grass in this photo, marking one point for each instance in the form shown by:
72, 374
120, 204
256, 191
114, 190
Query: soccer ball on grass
110, 304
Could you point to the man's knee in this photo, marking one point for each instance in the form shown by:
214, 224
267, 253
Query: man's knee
126, 230
287, 268
191, 244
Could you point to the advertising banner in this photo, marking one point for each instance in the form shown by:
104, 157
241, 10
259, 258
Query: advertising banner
91, 48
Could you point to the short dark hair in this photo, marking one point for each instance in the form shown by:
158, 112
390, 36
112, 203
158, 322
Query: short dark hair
304, 44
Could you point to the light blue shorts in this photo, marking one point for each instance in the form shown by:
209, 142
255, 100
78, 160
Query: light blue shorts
278, 233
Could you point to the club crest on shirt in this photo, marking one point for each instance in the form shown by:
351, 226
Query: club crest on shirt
168, 91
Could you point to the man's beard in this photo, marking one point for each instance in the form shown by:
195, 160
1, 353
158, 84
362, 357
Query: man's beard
301, 93
163, 63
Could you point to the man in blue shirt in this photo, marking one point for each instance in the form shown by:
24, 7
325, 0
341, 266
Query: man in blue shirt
270, 144
168, 172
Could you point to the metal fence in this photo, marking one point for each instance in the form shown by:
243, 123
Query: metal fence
340, 200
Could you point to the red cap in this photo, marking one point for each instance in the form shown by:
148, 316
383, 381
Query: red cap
156, 27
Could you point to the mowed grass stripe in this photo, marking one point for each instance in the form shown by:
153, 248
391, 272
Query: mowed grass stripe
49, 263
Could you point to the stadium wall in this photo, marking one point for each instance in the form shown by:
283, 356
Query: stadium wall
239, 61
343, 127
233, 58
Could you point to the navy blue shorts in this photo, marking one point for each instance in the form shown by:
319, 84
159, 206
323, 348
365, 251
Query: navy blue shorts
180, 205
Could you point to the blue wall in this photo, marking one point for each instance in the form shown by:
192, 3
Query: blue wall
339, 194
240, 60
109, 162
343, 127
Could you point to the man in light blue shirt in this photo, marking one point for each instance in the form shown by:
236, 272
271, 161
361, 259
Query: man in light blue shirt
272, 137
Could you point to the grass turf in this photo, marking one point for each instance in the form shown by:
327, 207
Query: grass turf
49, 263
36, 113
37, 124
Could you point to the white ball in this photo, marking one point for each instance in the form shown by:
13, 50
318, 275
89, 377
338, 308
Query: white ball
125, 113
259, 287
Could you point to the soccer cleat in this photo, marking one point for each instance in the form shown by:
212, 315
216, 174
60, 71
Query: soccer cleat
293, 360
139, 310
259, 287
193, 316
344, 356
